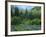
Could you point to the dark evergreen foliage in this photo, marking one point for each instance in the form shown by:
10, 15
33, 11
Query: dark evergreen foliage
16, 11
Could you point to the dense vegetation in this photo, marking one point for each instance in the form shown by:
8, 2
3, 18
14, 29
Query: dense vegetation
25, 18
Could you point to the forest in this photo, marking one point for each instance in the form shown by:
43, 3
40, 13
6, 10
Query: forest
25, 19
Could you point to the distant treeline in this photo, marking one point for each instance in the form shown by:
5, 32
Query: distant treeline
35, 12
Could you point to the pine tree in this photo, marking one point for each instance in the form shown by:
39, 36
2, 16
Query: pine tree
16, 11
12, 7
11, 11
26, 13
21, 13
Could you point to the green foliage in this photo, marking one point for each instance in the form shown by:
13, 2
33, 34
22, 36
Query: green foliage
26, 12
21, 20
27, 21
16, 20
21, 12
12, 12
36, 21
36, 12
16, 11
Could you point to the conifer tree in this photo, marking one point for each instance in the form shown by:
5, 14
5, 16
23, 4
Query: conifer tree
16, 11
26, 13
